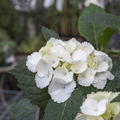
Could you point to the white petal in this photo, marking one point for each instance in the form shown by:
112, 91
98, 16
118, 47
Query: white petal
87, 47
79, 67
99, 53
66, 57
103, 57
79, 55
101, 79
85, 117
103, 95
42, 82
102, 67
60, 52
71, 45
32, 61
94, 108
48, 3
60, 92
59, 5
86, 78
63, 74
44, 69
55, 41
52, 60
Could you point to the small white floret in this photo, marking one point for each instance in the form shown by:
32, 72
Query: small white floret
101, 79
87, 47
63, 74
71, 45
93, 107
60, 92
32, 61
79, 55
103, 61
79, 67
44, 74
86, 78
42, 82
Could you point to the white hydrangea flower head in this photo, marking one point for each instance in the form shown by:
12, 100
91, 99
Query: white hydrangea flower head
59, 61
32, 61
62, 85
100, 3
99, 106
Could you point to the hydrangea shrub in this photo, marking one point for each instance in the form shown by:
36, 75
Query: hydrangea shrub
69, 80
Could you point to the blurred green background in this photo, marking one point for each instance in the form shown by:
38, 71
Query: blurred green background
20, 21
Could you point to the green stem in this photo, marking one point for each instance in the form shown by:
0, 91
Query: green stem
95, 37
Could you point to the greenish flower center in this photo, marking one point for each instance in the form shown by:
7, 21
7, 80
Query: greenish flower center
91, 61
67, 65
112, 111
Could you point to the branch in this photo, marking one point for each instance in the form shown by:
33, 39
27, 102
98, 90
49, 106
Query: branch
6, 69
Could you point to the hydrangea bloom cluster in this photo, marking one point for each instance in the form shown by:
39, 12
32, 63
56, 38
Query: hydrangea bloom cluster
99, 106
59, 62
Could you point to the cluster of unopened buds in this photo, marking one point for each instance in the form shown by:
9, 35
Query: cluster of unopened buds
61, 65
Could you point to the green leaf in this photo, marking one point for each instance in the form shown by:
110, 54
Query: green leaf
26, 81
24, 110
105, 37
64, 111
117, 99
97, 34
116, 73
47, 33
89, 31
103, 19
